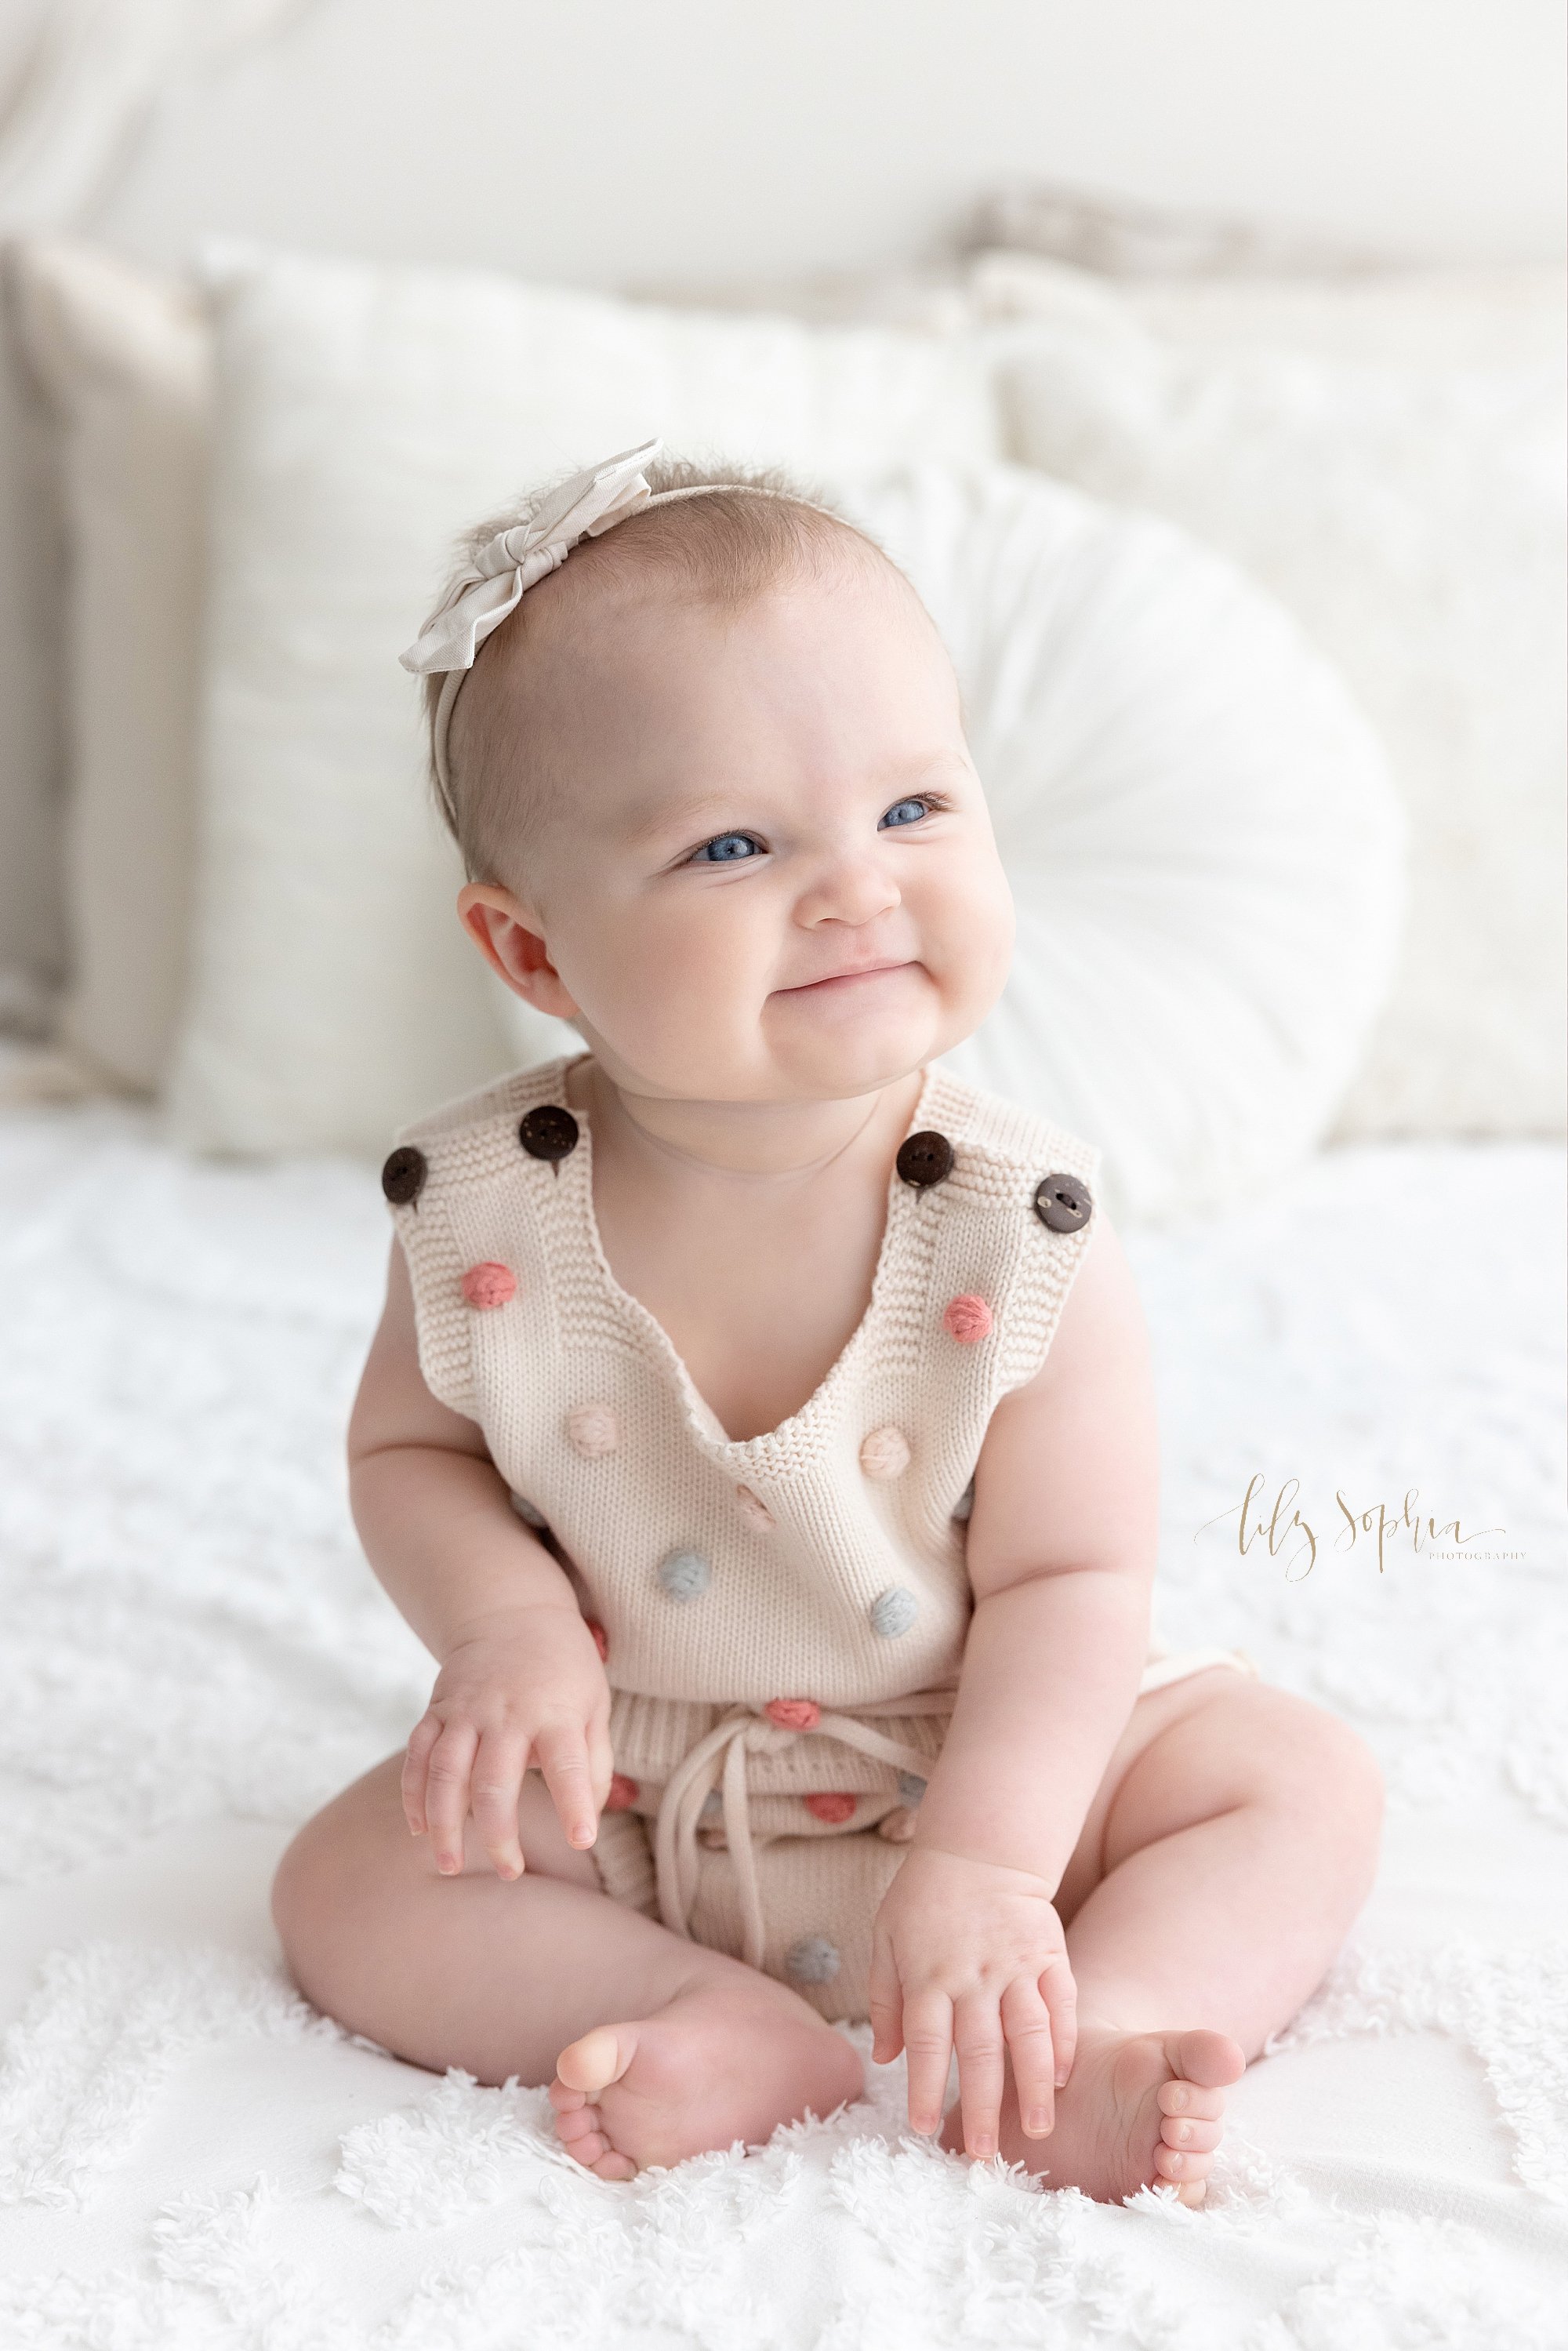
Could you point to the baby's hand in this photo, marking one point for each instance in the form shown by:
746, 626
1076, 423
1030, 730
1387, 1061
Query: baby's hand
524, 1688
969, 1954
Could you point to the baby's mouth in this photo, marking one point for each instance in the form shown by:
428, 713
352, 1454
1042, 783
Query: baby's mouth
839, 982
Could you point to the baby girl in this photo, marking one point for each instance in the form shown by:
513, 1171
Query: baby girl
761, 1434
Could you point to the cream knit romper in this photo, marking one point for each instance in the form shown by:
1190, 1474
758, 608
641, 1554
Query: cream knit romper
782, 1617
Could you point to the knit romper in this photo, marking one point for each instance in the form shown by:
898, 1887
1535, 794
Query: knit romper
782, 1617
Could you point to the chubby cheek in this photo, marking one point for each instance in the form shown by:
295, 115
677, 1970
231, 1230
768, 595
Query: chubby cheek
967, 921
675, 989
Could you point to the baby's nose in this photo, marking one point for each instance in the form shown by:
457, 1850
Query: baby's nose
853, 889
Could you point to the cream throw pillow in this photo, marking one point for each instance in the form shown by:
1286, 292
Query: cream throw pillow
1389, 461
365, 416
123, 356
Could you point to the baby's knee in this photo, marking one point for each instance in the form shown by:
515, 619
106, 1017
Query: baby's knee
327, 1875
303, 1886
1327, 1771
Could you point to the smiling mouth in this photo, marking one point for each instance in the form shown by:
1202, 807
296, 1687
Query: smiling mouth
839, 982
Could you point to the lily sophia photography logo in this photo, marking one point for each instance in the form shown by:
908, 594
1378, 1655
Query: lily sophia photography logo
1380, 1528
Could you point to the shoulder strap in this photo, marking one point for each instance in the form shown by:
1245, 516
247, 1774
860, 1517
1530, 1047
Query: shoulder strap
1017, 1222
441, 1162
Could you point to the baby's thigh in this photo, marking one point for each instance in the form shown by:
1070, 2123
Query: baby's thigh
1154, 1713
1218, 1740
358, 1849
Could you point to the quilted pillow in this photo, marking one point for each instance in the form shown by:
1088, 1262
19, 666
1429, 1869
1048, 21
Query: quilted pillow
1205, 848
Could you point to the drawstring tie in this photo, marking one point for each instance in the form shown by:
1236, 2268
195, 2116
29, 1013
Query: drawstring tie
720, 1758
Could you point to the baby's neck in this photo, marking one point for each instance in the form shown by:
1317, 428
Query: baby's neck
783, 1144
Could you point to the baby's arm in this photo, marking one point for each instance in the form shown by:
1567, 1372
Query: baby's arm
520, 1679
1062, 1554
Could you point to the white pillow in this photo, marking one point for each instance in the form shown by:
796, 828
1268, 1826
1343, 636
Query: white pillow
1204, 846
365, 416
122, 355
1405, 501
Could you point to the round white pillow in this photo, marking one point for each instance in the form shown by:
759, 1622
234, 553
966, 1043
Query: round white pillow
1203, 841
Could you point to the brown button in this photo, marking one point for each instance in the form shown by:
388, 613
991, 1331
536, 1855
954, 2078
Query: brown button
549, 1133
1062, 1203
925, 1159
403, 1177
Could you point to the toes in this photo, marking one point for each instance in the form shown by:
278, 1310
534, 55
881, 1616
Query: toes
599, 2058
564, 2098
578, 2125
590, 2149
1193, 2193
1191, 2098
1181, 2130
1181, 2165
1210, 2059
616, 2166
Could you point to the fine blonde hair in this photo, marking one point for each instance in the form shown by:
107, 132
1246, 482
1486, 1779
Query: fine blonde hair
723, 550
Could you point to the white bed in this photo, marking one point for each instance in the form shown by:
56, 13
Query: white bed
195, 1655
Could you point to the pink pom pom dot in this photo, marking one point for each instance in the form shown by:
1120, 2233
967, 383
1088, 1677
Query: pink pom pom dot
623, 1794
835, 1809
600, 1637
793, 1713
966, 1319
489, 1285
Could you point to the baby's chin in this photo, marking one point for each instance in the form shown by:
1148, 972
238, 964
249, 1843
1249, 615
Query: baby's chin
868, 1036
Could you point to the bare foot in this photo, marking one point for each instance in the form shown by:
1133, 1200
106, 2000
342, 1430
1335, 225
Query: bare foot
720, 2063
1140, 2109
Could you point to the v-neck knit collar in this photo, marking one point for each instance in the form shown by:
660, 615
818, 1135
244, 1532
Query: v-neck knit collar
576, 1174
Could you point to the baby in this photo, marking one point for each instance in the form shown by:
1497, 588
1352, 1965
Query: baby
761, 1434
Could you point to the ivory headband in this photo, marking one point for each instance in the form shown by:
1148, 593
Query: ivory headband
502, 572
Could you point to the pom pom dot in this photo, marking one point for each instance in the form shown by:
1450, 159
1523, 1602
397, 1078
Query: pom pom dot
592, 1430
600, 1637
910, 1788
489, 1284
966, 1319
834, 1807
793, 1713
894, 1613
685, 1575
886, 1455
623, 1794
753, 1507
813, 1960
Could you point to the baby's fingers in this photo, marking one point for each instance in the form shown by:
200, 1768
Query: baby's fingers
497, 1782
928, 2038
1026, 2020
978, 2032
562, 1756
415, 1765
447, 1793
885, 2006
1060, 1989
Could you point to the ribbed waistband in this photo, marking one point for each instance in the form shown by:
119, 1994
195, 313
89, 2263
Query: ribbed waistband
652, 1737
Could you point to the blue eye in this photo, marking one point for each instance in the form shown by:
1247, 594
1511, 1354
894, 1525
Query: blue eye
729, 849
905, 813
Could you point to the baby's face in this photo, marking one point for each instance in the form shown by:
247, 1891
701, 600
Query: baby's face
767, 871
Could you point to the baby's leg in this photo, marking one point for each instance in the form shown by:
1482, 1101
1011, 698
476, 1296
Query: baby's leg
499, 1976
1233, 1839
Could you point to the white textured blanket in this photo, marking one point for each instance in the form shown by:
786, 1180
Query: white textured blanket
194, 1656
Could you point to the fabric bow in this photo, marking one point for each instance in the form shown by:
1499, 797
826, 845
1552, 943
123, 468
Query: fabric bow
507, 566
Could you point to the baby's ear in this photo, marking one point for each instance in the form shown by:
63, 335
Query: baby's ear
501, 928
